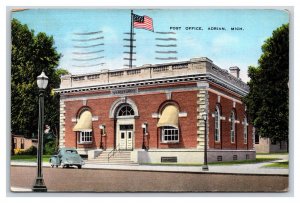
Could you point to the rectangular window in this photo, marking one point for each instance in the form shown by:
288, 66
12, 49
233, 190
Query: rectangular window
256, 138
232, 136
15, 143
170, 134
85, 137
245, 134
217, 137
22, 143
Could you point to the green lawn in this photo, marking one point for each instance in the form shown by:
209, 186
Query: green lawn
284, 164
273, 153
258, 160
29, 158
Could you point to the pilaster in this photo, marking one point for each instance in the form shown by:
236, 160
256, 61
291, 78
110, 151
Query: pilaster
202, 107
62, 119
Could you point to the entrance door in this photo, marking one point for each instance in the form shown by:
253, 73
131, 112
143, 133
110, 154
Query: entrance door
125, 135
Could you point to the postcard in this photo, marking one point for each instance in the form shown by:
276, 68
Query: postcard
149, 100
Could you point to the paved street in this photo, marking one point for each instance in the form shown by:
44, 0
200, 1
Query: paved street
110, 180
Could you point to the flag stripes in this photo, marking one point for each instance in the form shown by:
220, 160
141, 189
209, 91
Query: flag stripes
142, 22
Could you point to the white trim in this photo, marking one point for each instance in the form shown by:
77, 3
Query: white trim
163, 129
169, 95
225, 96
84, 102
182, 114
155, 115
123, 100
82, 134
95, 118
153, 81
141, 92
86, 130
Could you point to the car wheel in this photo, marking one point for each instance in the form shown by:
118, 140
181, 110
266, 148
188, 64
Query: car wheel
52, 165
56, 166
79, 166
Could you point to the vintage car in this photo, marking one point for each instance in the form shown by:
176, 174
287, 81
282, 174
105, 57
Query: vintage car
66, 157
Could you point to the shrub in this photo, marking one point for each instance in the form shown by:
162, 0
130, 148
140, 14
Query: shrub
49, 147
30, 151
18, 151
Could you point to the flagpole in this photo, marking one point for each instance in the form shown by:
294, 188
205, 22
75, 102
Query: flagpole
131, 41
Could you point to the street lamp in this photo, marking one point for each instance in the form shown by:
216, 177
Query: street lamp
103, 134
39, 186
145, 133
205, 166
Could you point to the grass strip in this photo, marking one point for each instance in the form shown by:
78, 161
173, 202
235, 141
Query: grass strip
257, 160
29, 158
283, 164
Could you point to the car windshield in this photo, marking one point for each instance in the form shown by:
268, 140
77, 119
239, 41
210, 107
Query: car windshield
71, 151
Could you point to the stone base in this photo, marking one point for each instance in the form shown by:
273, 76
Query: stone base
193, 156
230, 155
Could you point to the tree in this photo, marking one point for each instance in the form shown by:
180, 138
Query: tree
267, 100
30, 55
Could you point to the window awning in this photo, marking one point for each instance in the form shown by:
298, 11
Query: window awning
169, 117
84, 123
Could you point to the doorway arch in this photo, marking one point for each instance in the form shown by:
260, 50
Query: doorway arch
124, 112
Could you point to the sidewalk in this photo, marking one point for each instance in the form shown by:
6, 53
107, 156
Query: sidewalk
257, 168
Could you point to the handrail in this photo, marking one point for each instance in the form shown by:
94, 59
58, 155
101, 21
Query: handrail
112, 152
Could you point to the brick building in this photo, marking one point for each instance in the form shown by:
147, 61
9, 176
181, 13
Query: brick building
154, 113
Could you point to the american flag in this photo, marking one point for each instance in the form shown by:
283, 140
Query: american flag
143, 22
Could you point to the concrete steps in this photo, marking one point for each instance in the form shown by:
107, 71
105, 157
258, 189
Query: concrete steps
120, 157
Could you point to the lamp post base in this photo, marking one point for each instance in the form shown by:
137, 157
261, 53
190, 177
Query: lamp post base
39, 185
205, 168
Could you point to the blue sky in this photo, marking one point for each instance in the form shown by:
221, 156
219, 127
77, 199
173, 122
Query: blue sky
225, 47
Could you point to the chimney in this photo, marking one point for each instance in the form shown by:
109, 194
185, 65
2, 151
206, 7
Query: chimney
235, 71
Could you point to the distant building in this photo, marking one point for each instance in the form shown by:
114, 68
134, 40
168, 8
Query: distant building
265, 145
22, 143
154, 113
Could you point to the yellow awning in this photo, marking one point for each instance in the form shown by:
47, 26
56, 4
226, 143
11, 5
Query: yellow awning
84, 123
169, 117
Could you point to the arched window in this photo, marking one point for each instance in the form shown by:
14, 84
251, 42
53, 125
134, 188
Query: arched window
126, 110
245, 131
84, 127
168, 123
217, 124
232, 127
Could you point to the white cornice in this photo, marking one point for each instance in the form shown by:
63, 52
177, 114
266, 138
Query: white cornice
158, 81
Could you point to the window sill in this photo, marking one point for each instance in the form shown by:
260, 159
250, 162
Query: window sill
84, 142
170, 142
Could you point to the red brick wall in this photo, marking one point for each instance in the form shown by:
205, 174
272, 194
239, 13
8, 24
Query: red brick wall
226, 106
146, 104
150, 103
